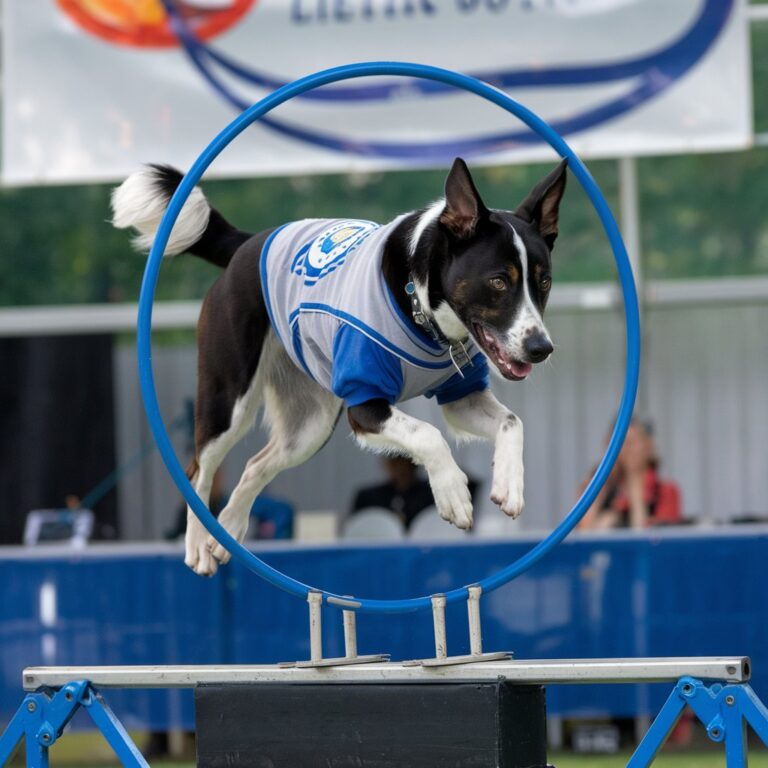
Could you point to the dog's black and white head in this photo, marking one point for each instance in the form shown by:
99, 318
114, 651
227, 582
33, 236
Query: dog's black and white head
487, 272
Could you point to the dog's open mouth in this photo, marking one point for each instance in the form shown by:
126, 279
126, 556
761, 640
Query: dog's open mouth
508, 366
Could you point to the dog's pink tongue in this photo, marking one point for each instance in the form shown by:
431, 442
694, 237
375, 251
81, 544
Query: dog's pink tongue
505, 362
514, 368
520, 369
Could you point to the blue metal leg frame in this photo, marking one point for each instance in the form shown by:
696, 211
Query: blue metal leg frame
725, 711
42, 717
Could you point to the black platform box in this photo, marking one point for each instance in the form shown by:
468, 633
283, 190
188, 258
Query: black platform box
362, 725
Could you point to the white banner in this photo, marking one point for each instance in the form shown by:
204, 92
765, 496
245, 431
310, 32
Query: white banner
92, 88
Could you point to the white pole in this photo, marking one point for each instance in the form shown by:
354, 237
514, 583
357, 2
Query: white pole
475, 631
630, 217
438, 617
757, 12
350, 634
315, 600
630, 231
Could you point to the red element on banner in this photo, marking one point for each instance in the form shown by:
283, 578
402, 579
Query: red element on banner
144, 23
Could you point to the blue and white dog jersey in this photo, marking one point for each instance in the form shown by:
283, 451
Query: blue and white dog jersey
333, 312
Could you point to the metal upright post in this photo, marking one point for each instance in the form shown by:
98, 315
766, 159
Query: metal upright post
629, 202
350, 635
316, 659
442, 659
475, 630
630, 216
315, 600
438, 619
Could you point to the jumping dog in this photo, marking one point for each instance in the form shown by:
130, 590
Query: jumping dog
320, 314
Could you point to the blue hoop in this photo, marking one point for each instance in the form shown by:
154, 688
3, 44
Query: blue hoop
149, 283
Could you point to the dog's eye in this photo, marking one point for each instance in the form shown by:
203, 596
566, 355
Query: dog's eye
545, 283
497, 284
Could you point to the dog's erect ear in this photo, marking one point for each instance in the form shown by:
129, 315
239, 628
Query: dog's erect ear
542, 206
463, 206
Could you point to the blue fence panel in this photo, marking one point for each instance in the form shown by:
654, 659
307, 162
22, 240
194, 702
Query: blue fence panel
111, 609
627, 595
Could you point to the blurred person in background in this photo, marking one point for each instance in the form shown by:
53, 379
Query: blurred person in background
635, 496
405, 492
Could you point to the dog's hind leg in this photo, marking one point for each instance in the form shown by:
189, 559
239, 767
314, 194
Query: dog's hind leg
213, 446
232, 340
300, 415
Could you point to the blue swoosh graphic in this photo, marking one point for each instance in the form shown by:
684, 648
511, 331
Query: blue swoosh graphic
654, 73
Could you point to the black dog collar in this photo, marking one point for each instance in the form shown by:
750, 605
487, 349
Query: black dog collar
456, 349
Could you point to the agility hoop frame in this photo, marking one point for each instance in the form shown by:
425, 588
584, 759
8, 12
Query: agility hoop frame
144, 331
715, 688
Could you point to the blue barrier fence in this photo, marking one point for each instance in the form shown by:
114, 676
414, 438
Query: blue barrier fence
667, 593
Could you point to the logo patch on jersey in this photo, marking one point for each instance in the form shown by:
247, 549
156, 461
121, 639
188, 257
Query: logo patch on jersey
329, 250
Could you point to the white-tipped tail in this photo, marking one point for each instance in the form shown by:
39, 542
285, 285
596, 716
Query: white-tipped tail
140, 202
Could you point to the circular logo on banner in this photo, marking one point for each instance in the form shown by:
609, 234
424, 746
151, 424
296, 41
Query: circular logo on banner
330, 249
144, 23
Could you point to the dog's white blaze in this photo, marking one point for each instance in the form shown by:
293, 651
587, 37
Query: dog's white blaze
426, 218
528, 306
138, 203
528, 317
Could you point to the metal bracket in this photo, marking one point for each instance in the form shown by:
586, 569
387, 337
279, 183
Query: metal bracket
42, 717
442, 659
315, 600
725, 711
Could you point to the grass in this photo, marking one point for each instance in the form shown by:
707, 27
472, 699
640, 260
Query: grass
692, 759
708, 759
89, 750
559, 760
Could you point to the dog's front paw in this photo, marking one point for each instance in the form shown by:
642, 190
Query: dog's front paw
452, 497
236, 524
509, 496
507, 488
197, 556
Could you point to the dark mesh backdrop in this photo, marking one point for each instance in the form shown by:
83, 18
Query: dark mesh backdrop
56, 427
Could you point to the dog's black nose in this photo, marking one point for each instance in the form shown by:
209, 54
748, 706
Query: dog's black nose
538, 347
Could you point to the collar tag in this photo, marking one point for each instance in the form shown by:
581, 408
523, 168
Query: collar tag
459, 357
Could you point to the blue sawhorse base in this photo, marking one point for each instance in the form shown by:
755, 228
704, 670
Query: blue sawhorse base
42, 717
724, 709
